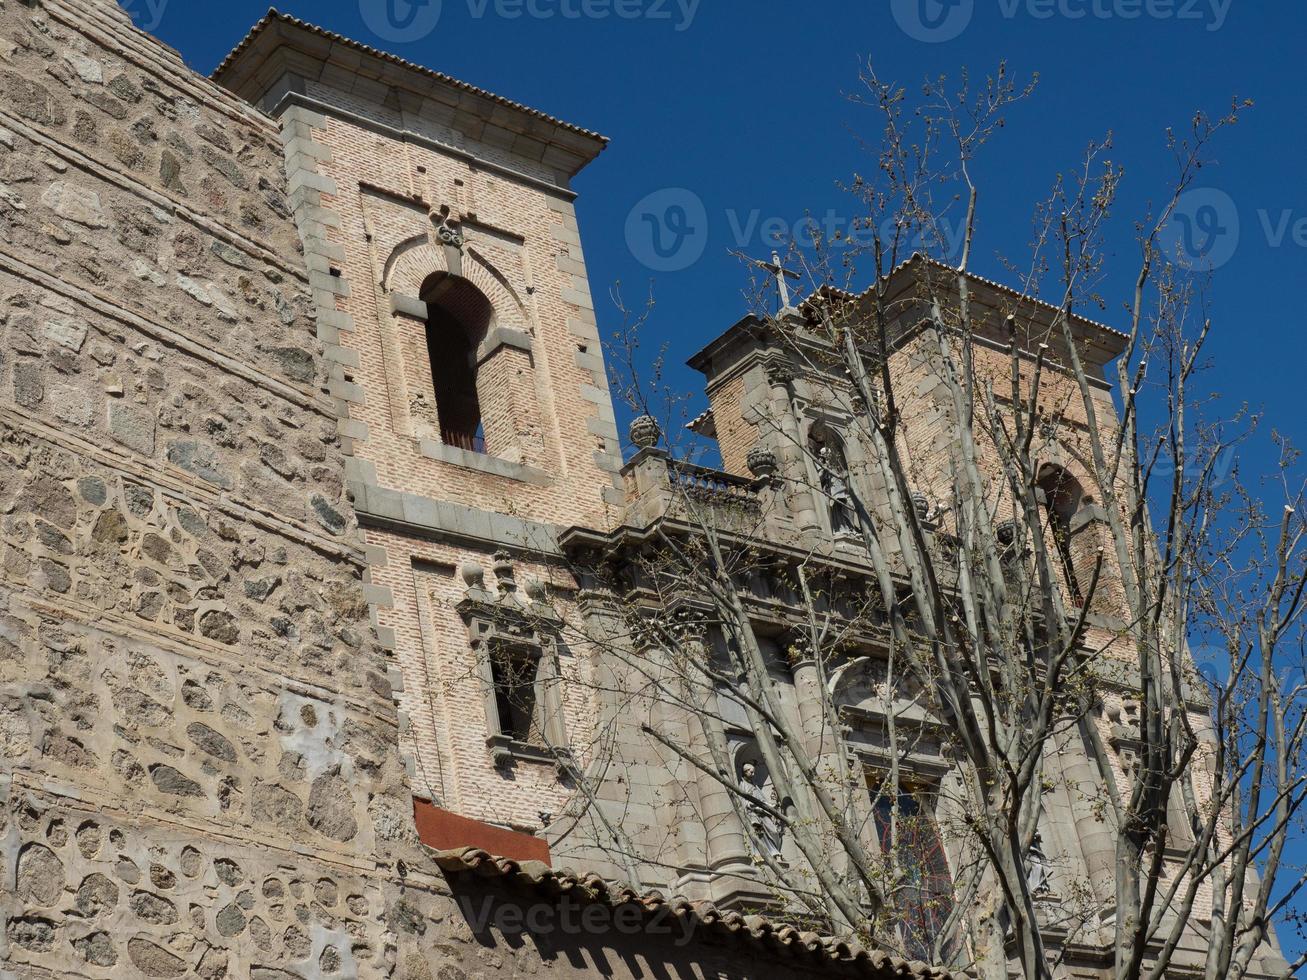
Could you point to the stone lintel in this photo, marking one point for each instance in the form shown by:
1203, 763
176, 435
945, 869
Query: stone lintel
503, 337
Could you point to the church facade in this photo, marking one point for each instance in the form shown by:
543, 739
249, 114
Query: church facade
306, 452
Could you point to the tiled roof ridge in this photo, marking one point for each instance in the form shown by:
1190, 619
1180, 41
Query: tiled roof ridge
274, 14
874, 964
985, 281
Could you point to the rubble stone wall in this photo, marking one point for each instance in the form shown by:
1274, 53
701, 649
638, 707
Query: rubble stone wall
197, 738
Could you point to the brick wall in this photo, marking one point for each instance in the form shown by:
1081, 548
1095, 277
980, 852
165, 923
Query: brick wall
386, 199
522, 235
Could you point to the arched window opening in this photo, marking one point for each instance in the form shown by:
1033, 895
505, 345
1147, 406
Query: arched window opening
458, 318
1061, 497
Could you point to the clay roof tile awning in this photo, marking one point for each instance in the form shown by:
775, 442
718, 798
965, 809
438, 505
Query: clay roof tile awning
808, 948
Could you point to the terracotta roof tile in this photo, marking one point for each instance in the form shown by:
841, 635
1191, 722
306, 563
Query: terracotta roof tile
874, 964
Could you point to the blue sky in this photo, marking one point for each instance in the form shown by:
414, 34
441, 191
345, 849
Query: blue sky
744, 105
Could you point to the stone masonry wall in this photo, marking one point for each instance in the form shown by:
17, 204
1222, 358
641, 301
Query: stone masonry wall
197, 742
199, 772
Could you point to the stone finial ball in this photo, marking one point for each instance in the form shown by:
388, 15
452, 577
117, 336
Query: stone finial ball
473, 575
645, 432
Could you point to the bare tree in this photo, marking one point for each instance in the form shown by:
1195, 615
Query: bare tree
953, 605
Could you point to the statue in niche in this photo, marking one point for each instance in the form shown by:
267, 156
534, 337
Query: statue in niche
1038, 871
835, 484
761, 804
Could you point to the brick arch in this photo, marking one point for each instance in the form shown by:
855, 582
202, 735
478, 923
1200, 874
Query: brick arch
411, 261
483, 274
1072, 515
1057, 456
416, 260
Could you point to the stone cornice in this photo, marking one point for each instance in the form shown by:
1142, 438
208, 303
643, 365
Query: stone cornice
1099, 344
279, 45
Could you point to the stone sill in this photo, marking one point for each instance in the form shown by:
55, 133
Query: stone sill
484, 464
505, 750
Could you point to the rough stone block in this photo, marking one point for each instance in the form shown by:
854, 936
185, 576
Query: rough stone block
133, 426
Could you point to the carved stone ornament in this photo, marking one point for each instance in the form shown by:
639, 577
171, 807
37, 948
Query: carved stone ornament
645, 432
449, 235
473, 575
1006, 533
779, 373
761, 462
921, 504
505, 576
536, 590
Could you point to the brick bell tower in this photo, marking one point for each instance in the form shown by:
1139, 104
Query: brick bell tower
452, 301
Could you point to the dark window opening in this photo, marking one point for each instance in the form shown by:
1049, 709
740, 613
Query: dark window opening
1062, 500
458, 316
515, 677
455, 382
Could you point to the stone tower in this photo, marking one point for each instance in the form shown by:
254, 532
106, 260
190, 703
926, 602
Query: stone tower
305, 445
450, 289
200, 766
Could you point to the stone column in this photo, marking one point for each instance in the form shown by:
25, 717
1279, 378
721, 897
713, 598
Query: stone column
725, 847
1096, 836
794, 469
807, 690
